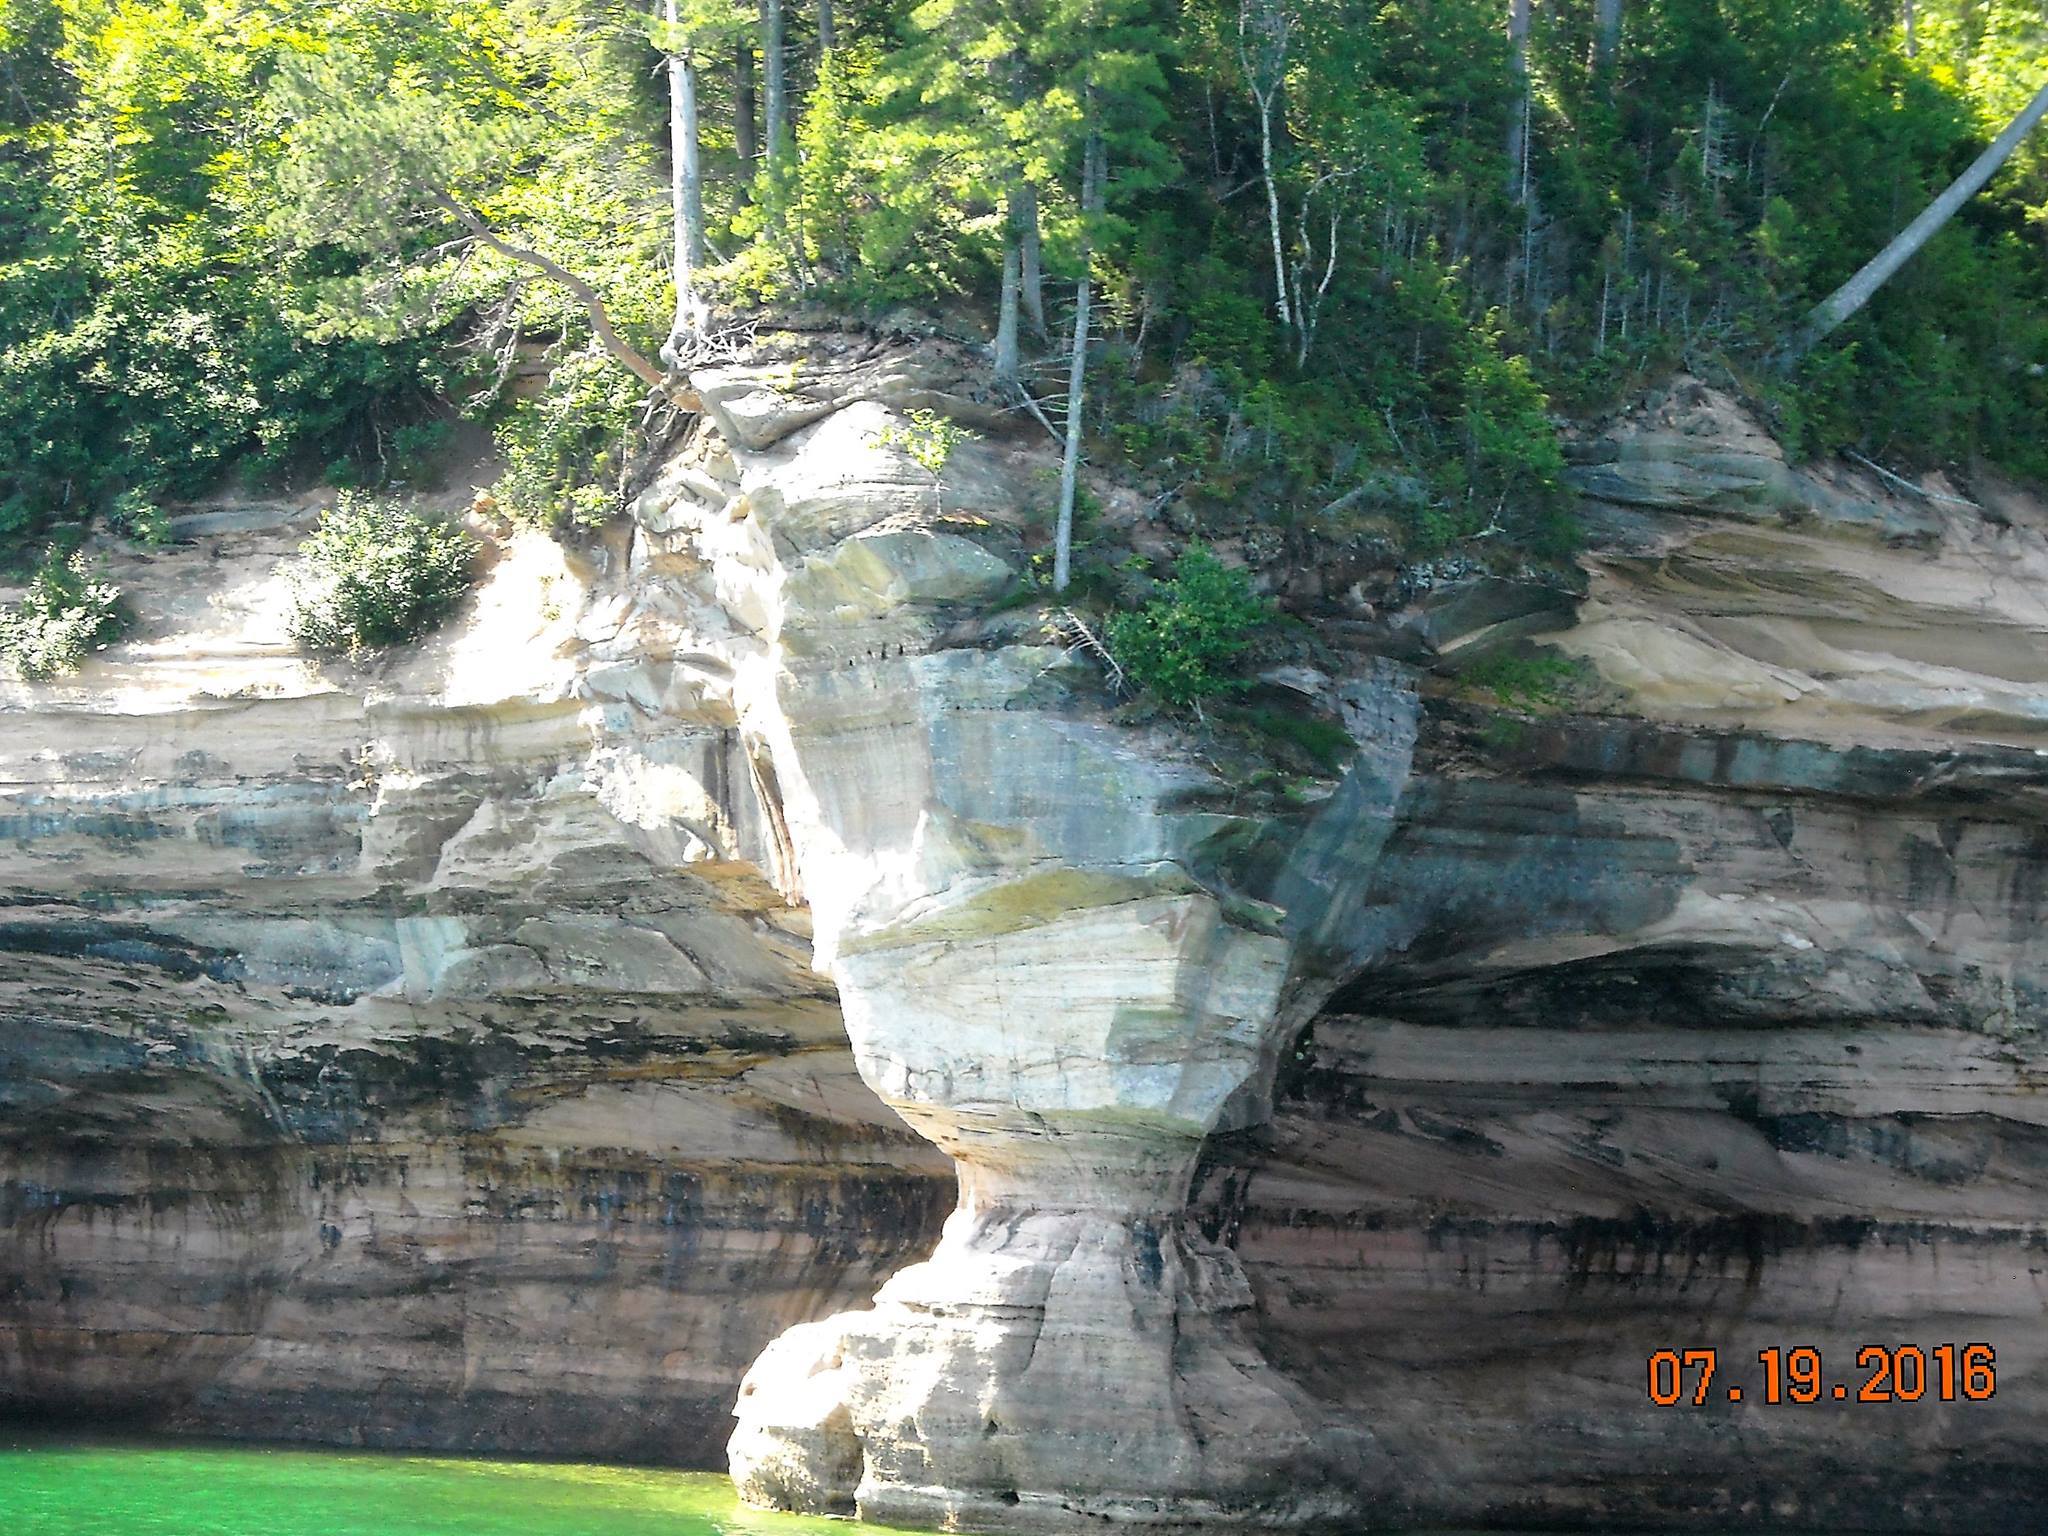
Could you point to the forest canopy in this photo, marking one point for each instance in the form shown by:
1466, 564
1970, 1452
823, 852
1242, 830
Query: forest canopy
1347, 258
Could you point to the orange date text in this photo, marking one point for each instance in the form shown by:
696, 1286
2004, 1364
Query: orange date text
1905, 1373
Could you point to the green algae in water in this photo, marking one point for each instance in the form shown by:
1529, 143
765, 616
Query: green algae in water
64, 1489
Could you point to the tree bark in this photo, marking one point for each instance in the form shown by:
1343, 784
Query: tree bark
746, 137
1013, 277
686, 182
1838, 306
1077, 375
1518, 111
776, 122
828, 31
1912, 39
582, 292
1033, 280
1607, 33
1262, 54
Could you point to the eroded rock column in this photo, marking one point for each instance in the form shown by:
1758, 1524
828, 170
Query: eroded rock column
1069, 1347
1033, 978
1008, 888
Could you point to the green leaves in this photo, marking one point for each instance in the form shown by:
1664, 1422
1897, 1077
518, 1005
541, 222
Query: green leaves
67, 615
377, 574
1185, 645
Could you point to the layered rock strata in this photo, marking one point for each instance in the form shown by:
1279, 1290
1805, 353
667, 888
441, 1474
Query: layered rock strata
450, 1051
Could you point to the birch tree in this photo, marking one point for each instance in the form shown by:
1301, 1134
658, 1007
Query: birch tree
686, 180
1092, 171
1829, 314
1263, 31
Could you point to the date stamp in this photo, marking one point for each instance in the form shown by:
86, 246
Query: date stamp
1905, 1373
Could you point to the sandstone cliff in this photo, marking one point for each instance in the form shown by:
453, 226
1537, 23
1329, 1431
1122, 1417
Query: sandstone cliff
456, 1051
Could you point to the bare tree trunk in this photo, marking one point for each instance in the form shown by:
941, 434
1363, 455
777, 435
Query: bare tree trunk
1262, 55
1607, 33
746, 136
1077, 375
1855, 293
686, 182
1033, 280
1518, 112
828, 32
1013, 282
1912, 39
776, 117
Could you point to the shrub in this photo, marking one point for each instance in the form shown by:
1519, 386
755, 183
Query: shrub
66, 616
379, 573
1537, 683
1182, 646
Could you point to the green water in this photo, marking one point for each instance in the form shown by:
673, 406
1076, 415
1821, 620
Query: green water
92, 1488
60, 1489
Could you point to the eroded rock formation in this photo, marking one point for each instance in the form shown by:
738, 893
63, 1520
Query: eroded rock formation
451, 1052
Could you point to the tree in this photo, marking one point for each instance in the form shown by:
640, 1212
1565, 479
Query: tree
1263, 30
1825, 317
775, 78
1607, 32
1519, 108
1092, 173
686, 178
371, 167
746, 141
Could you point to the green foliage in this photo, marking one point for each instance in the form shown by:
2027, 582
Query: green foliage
1321, 744
928, 440
563, 451
1534, 682
233, 243
377, 574
68, 614
1185, 645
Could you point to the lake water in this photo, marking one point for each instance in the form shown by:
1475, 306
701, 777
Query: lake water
61, 1489
91, 1488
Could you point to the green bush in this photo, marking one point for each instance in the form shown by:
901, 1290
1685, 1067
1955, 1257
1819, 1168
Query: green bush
67, 615
1534, 682
379, 573
1184, 645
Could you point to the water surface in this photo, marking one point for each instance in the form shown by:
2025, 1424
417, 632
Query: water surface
91, 1489
54, 1487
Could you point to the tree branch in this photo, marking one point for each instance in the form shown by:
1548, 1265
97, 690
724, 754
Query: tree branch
582, 292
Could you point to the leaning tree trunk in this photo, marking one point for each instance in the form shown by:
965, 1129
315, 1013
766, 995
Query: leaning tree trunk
622, 350
1838, 306
1077, 374
777, 114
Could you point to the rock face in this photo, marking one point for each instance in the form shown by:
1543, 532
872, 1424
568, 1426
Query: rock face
419, 1056
455, 1051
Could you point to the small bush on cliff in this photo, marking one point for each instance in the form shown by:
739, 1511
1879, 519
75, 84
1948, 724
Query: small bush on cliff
66, 616
1184, 645
378, 573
